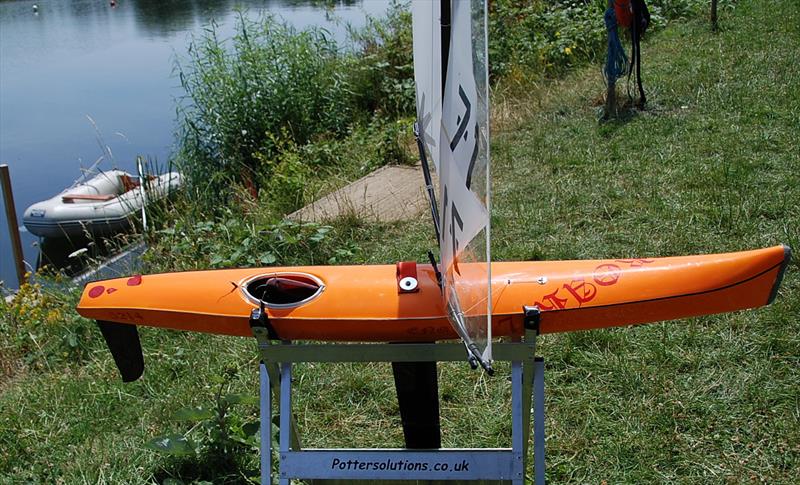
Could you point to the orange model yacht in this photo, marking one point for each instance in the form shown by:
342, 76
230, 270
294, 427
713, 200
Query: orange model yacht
373, 303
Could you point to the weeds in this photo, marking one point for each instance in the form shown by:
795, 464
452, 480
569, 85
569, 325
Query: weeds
231, 241
217, 438
40, 327
244, 96
383, 69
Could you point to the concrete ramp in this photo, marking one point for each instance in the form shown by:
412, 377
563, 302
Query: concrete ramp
391, 193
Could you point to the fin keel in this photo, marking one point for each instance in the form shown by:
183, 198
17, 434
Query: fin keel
123, 342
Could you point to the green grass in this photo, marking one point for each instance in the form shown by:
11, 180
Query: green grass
712, 165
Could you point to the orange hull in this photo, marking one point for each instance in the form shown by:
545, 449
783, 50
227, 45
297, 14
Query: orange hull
362, 303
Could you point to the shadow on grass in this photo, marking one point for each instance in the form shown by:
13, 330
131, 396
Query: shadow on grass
217, 468
627, 110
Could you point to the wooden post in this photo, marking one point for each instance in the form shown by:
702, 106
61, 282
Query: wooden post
13, 225
714, 23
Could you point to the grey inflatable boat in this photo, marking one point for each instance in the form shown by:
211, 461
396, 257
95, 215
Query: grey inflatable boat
101, 205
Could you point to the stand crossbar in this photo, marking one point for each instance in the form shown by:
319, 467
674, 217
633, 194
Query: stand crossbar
461, 464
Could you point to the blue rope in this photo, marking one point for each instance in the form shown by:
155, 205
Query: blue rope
616, 60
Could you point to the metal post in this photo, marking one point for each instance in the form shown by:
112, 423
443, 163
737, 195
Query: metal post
531, 323
266, 424
538, 421
142, 194
518, 434
264, 346
13, 225
527, 405
286, 420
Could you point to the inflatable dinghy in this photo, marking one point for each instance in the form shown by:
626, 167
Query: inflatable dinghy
101, 205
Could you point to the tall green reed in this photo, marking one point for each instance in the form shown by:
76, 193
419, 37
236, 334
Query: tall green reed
245, 94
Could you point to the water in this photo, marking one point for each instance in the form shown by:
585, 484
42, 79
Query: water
115, 64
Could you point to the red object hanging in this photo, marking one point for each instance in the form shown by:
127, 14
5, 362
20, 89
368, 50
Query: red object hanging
624, 12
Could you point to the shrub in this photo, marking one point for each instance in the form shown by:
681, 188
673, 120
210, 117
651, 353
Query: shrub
537, 37
253, 99
267, 85
237, 240
382, 72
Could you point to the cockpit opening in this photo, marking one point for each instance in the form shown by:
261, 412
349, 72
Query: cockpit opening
283, 290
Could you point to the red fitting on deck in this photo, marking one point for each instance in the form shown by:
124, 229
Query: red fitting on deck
407, 277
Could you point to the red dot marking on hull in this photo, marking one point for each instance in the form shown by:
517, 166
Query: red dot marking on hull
135, 280
111, 290
96, 291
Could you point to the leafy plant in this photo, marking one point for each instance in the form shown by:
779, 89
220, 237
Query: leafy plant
535, 38
252, 100
382, 72
236, 240
218, 435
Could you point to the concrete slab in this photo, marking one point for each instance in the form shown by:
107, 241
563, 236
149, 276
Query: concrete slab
391, 193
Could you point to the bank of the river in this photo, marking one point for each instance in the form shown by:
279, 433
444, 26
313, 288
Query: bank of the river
711, 166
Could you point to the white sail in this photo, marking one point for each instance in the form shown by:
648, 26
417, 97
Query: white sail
427, 40
464, 194
454, 130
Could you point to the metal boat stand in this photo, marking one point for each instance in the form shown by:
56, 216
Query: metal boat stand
345, 465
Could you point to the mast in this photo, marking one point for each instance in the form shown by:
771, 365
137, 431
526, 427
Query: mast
451, 76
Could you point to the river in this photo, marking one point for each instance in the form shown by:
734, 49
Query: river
69, 60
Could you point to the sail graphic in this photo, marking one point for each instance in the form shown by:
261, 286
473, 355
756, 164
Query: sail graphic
459, 147
427, 40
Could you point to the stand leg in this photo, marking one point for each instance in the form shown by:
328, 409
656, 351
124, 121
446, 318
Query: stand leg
274, 377
527, 406
286, 415
266, 425
518, 433
527, 392
538, 421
